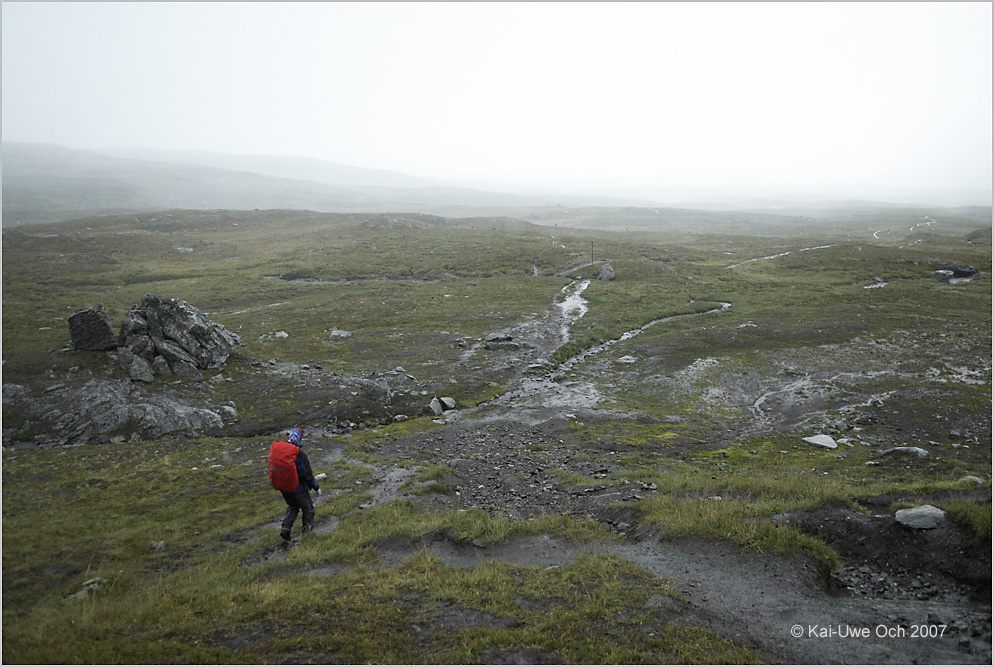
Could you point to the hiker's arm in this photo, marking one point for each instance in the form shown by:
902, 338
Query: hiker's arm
304, 471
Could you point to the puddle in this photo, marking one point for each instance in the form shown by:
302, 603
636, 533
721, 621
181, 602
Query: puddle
391, 480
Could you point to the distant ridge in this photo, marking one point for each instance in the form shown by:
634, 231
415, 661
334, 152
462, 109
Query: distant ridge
50, 183
302, 168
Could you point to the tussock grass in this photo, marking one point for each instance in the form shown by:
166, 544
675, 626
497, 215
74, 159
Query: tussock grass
209, 595
977, 517
200, 600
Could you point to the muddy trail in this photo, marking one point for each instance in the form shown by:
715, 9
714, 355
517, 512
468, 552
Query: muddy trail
900, 596
895, 590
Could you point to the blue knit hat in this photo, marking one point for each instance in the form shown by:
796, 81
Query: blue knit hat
296, 436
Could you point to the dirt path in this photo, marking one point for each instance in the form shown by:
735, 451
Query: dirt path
789, 609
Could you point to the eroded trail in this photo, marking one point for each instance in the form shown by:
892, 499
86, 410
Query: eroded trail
514, 456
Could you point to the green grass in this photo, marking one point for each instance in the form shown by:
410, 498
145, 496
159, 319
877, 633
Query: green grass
208, 596
192, 601
975, 516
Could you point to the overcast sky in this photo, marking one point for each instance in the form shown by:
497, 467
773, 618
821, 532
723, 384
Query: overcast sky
739, 94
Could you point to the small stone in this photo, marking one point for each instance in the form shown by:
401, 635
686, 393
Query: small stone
972, 479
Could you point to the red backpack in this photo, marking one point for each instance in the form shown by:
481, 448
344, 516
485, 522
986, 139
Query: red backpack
283, 466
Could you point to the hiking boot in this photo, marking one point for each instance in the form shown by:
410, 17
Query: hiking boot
306, 530
285, 534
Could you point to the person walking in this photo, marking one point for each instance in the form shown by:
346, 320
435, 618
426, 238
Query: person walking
290, 473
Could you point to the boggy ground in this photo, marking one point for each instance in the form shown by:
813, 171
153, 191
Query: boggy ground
897, 595
893, 583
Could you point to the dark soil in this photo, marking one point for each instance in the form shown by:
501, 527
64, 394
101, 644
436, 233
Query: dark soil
893, 581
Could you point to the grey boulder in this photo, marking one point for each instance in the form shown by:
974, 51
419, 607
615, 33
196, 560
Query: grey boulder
824, 441
178, 333
906, 452
923, 517
91, 329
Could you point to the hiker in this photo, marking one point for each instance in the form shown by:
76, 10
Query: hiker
290, 473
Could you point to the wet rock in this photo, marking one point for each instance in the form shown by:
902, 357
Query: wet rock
376, 389
607, 272
177, 331
496, 341
435, 407
91, 329
160, 366
955, 273
923, 517
186, 370
292, 274
135, 366
103, 406
905, 452
13, 392
821, 440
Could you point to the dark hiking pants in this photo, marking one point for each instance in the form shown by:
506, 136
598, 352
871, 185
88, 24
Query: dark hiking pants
298, 502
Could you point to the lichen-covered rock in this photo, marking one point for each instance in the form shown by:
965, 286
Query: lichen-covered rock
105, 406
177, 332
91, 329
607, 272
135, 366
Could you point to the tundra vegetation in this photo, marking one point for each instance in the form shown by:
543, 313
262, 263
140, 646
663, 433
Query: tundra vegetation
177, 534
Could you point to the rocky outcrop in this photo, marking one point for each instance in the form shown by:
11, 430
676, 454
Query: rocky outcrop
497, 341
121, 407
376, 389
951, 273
437, 406
607, 272
91, 329
135, 366
179, 333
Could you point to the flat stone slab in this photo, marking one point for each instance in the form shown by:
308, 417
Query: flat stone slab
923, 517
906, 452
825, 441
